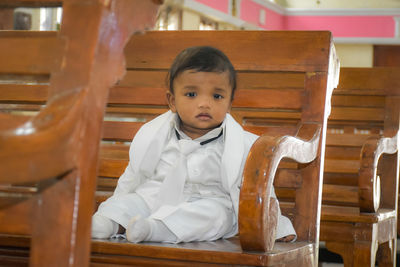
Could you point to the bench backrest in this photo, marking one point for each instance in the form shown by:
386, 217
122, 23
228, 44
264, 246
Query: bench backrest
279, 87
366, 104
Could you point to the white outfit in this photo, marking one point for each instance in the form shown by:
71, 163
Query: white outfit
208, 207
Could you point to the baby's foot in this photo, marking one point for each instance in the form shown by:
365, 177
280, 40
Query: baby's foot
138, 229
288, 238
103, 227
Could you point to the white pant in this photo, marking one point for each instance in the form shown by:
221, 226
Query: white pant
195, 220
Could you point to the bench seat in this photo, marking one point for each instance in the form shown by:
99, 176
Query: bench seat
221, 252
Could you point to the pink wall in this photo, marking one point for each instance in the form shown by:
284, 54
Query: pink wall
220, 5
250, 12
345, 26
340, 26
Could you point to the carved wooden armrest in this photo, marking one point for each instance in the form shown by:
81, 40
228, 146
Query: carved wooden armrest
41, 147
46, 146
369, 182
257, 226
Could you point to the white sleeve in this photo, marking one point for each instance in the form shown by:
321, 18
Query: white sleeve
128, 181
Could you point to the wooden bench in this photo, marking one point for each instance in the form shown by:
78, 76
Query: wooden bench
270, 88
359, 212
281, 92
49, 160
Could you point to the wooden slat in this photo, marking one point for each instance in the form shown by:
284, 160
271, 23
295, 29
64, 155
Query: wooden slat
338, 194
113, 160
369, 78
285, 194
341, 100
340, 152
120, 130
23, 93
341, 166
146, 113
357, 114
20, 108
259, 117
111, 167
360, 91
40, 52
273, 98
114, 151
348, 179
29, 79
144, 78
355, 124
156, 50
138, 96
288, 178
333, 194
270, 80
355, 140
106, 183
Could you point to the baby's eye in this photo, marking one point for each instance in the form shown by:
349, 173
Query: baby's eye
191, 94
218, 96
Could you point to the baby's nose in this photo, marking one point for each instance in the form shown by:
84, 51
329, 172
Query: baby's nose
204, 102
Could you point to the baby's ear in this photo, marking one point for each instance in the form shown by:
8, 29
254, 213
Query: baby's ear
171, 100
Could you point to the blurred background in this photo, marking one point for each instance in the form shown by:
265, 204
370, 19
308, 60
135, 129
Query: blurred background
366, 32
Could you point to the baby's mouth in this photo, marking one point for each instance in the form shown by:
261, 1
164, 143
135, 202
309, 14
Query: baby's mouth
203, 116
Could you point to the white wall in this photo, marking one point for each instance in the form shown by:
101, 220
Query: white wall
190, 20
355, 55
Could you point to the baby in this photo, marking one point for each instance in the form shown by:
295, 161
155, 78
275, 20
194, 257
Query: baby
183, 179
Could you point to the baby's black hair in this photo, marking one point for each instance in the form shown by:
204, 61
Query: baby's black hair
202, 58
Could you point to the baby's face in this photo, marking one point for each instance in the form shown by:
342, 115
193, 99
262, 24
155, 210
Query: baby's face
201, 100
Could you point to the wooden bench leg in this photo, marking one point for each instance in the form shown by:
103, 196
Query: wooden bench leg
386, 254
54, 225
357, 254
365, 253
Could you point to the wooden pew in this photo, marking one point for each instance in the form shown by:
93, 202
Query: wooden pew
281, 91
359, 212
49, 159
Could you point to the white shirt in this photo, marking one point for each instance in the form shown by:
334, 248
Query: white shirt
203, 168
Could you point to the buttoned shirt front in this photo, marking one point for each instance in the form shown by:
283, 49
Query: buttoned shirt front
203, 179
